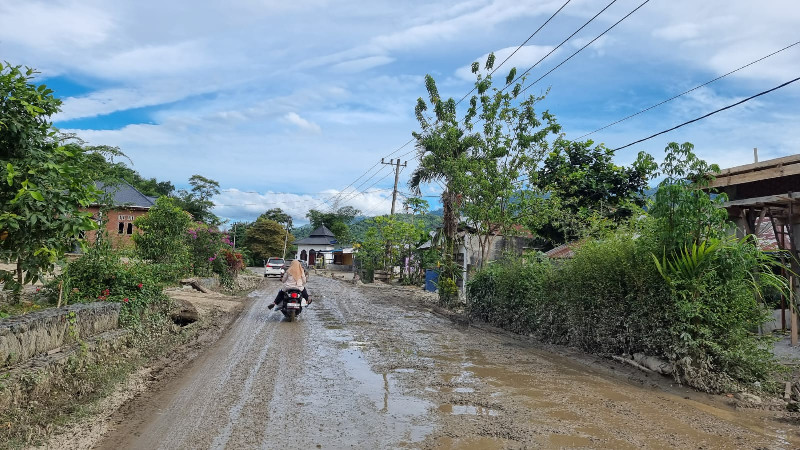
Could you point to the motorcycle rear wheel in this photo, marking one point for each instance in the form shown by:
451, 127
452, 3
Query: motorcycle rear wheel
291, 315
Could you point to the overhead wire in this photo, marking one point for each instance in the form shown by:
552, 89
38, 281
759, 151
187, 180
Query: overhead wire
523, 74
583, 47
335, 200
709, 114
686, 92
518, 48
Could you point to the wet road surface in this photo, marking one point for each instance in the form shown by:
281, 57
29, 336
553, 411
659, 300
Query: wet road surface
365, 367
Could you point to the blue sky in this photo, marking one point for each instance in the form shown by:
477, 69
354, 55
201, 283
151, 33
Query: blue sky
286, 103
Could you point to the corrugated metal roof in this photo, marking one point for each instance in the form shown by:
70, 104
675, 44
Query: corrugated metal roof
123, 194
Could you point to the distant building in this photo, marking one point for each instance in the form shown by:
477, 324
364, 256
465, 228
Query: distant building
317, 249
125, 203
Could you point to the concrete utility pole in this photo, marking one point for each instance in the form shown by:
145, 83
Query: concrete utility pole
396, 177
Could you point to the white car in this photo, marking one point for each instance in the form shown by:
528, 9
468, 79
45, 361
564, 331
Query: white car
274, 267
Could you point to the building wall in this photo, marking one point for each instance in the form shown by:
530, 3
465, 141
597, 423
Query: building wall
116, 218
326, 248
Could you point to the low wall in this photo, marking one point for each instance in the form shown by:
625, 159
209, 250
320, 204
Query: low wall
23, 337
775, 323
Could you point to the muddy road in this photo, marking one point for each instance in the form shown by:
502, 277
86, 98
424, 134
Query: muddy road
365, 367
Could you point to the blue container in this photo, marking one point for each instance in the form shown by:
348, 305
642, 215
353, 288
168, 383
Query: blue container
431, 280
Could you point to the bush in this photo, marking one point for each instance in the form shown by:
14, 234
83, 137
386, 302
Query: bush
611, 299
100, 275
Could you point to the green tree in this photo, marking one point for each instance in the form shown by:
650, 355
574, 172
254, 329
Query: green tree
164, 233
482, 165
277, 215
583, 183
338, 222
686, 213
43, 181
112, 172
197, 201
265, 239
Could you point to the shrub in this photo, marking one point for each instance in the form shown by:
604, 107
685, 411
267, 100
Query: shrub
101, 275
611, 299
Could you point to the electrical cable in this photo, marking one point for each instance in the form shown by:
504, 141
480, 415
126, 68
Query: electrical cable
336, 200
559, 45
518, 48
709, 114
686, 92
581, 49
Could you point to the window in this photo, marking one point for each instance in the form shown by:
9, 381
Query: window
130, 228
121, 228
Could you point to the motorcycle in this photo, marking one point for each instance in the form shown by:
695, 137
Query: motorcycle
293, 304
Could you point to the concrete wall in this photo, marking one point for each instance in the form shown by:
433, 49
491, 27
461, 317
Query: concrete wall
775, 324
23, 337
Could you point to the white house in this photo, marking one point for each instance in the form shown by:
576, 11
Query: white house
317, 248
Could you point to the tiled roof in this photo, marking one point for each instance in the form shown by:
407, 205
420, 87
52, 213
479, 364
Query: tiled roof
123, 194
315, 240
322, 231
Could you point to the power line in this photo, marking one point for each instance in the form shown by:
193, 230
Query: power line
333, 201
709, 114
518, 48
366, 172
280, 202
588, 44
690, 90
350, 195
559, 45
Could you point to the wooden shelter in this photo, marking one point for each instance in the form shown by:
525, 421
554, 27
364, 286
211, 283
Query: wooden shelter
767, 192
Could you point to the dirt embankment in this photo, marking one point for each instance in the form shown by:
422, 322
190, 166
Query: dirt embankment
200, 319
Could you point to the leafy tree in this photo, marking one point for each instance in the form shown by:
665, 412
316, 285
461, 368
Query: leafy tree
277, 215
265, 239
164, 231
583, 183
338, 221
112, 172
197, 201
388, 242
482, 165
43, 181
687, 214
440, 144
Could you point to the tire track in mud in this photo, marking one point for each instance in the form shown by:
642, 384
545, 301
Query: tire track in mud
370, 367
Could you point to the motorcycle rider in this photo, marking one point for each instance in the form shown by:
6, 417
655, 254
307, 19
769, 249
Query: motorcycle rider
293, 278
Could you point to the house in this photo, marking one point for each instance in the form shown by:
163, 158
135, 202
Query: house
125, 203
318, 248
468, 254
763, 201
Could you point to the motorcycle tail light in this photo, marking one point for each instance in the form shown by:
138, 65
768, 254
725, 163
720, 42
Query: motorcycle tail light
294, 294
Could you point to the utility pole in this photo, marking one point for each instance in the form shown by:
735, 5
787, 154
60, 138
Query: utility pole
396, 177
286, 238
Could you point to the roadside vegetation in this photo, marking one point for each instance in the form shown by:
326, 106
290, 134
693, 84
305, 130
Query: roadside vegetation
654, 274
48, 179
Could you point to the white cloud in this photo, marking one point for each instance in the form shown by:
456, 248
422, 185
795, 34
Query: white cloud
302, 123
362, 64
524, 57
58, 26
248, 205
678, 32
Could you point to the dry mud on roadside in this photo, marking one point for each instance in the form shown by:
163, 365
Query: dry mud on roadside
368, 367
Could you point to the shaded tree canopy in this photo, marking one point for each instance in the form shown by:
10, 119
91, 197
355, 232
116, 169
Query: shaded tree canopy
338, 222
265, 239
44, 180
